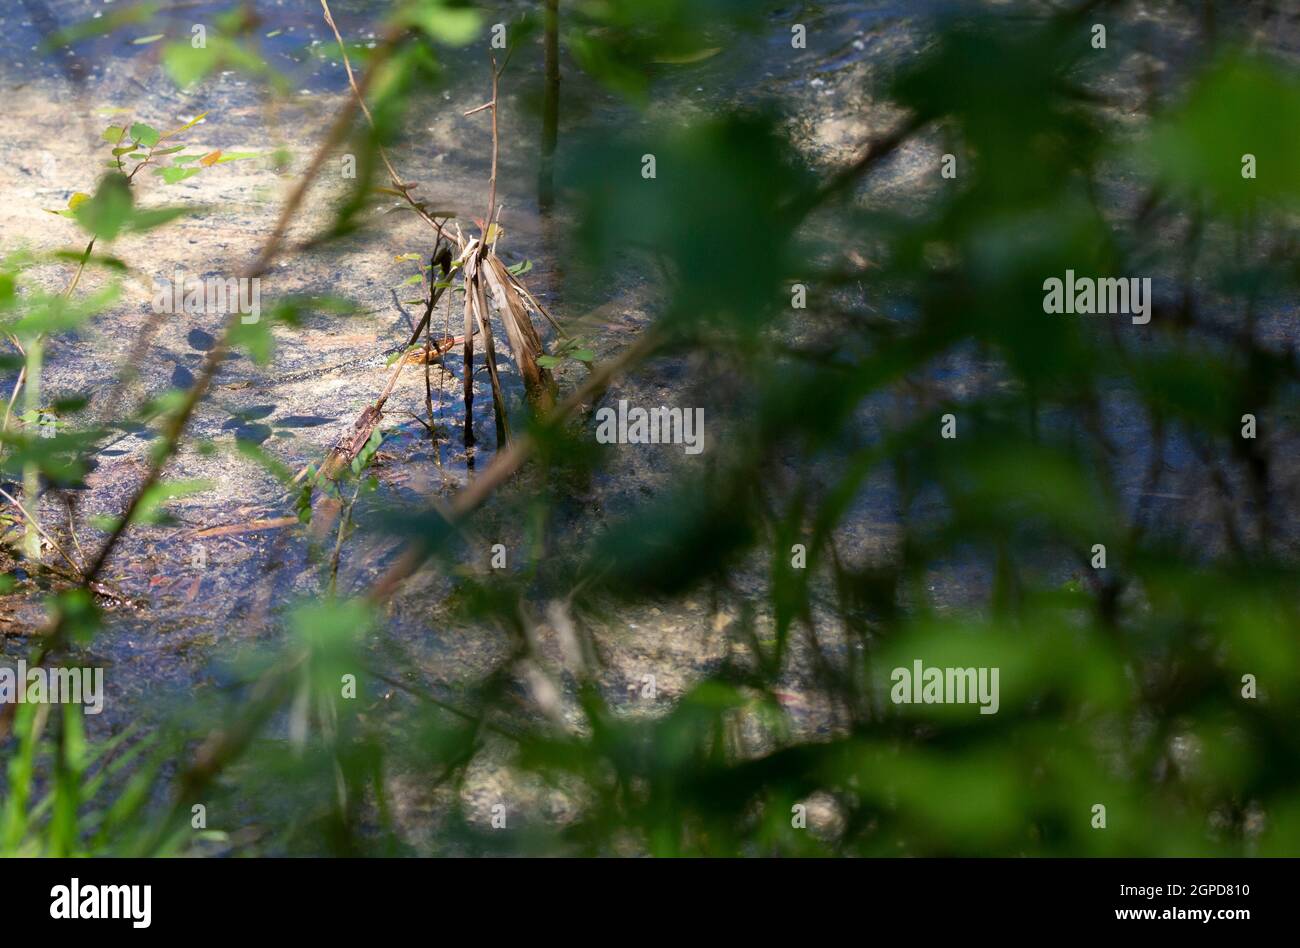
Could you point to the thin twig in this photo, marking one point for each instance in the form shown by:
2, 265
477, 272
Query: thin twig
338, 543
39, 529
393, 176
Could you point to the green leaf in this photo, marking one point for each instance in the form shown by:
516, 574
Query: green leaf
331, 624
56, 314
1239, 107
81, 616
71, 404
687, 58
256, 338
148, 219
146, 135
368, 452
107, 212
113, 20
598, 59
454, 26
144, 40
53, 312
113, 134
62, 458
173, 175
290, 310
149, 509
302, 505
276, 468
76, 256
187, 65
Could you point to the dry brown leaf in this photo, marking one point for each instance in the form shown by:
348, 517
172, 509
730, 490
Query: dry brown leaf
525, 344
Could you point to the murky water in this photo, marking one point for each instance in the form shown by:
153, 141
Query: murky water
296, 407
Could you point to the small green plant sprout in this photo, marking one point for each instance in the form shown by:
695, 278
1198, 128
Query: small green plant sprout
424, 277
111, 210
367, 454
105, 215
572, 348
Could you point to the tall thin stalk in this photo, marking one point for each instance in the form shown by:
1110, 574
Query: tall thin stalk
31, 470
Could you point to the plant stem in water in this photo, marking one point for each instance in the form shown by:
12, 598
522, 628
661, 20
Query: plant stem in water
31, 471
